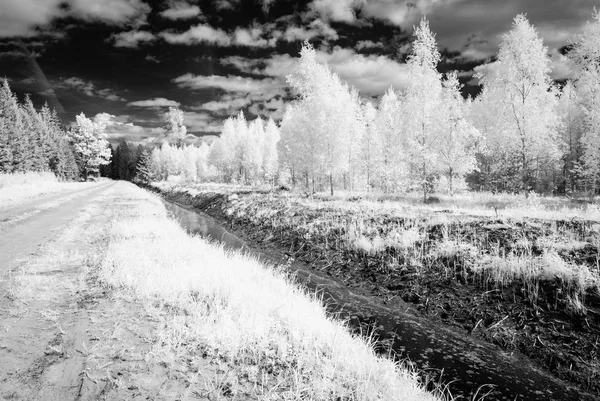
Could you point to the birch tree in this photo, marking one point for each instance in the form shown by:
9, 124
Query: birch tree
458, 139
521, 93
421, 108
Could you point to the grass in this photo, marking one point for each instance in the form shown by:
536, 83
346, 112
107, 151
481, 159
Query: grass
267, 329
16, 188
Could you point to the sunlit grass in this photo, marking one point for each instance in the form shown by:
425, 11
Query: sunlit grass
16, 188
268, 329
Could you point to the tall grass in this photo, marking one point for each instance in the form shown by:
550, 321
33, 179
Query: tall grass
16, 188
254, 317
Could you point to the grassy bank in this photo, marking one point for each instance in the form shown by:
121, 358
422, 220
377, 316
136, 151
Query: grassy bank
16, 188
276, 339
525, 276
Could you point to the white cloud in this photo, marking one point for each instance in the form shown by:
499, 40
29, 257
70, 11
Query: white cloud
156, 102
368, 44
197, 34
336, 10
250, 37
115, 12
200, 122
88, 88
317, 28
120, 127
131, 39
228, 83
181, 10
371, 75
21, 17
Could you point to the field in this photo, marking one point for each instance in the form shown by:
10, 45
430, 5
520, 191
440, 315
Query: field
522, 273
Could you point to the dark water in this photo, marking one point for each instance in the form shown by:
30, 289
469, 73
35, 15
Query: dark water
455, 359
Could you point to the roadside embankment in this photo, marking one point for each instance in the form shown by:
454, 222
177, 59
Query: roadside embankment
275, 339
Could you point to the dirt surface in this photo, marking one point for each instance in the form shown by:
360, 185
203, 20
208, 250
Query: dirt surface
64, 335
559, 340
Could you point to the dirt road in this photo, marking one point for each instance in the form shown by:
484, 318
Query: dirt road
63, 334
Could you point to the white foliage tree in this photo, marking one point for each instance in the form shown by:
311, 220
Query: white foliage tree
421, 108
520, 93
458, 138
389, 154
269, 150
324, 108
175, 131
91, 149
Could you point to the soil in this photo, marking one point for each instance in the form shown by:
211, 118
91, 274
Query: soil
557, 338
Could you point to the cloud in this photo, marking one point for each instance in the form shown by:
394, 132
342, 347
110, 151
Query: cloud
156, 102
120, 127
250, 37
198, 34
315, 29
22, 17
131, 39
371, 75
181, 10
228, 83
336, 10
115, 12
200, 122
368, 44
88, 88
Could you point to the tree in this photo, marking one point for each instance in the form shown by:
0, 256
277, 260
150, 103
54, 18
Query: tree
586, 56
325, 109
458, 139
89, 145
388, 161
367, 148
421, 108
7, 127
175, 131
269, 150
521, 94
143, 167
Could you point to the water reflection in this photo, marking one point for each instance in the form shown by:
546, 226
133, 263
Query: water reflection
446, 356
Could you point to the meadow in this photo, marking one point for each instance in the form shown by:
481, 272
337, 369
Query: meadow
520, 272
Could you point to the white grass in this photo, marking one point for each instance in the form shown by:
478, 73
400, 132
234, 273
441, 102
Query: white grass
250, 315
16, 188
575, 279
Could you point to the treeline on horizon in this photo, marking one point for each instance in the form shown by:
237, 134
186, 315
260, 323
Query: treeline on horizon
522, 133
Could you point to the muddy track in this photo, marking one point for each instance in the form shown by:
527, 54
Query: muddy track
560, 341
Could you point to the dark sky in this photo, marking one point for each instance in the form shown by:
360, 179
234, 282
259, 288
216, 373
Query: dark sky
125, 61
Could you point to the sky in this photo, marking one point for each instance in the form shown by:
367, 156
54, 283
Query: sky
124, 62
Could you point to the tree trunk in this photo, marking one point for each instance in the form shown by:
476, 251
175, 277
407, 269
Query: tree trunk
331, 182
